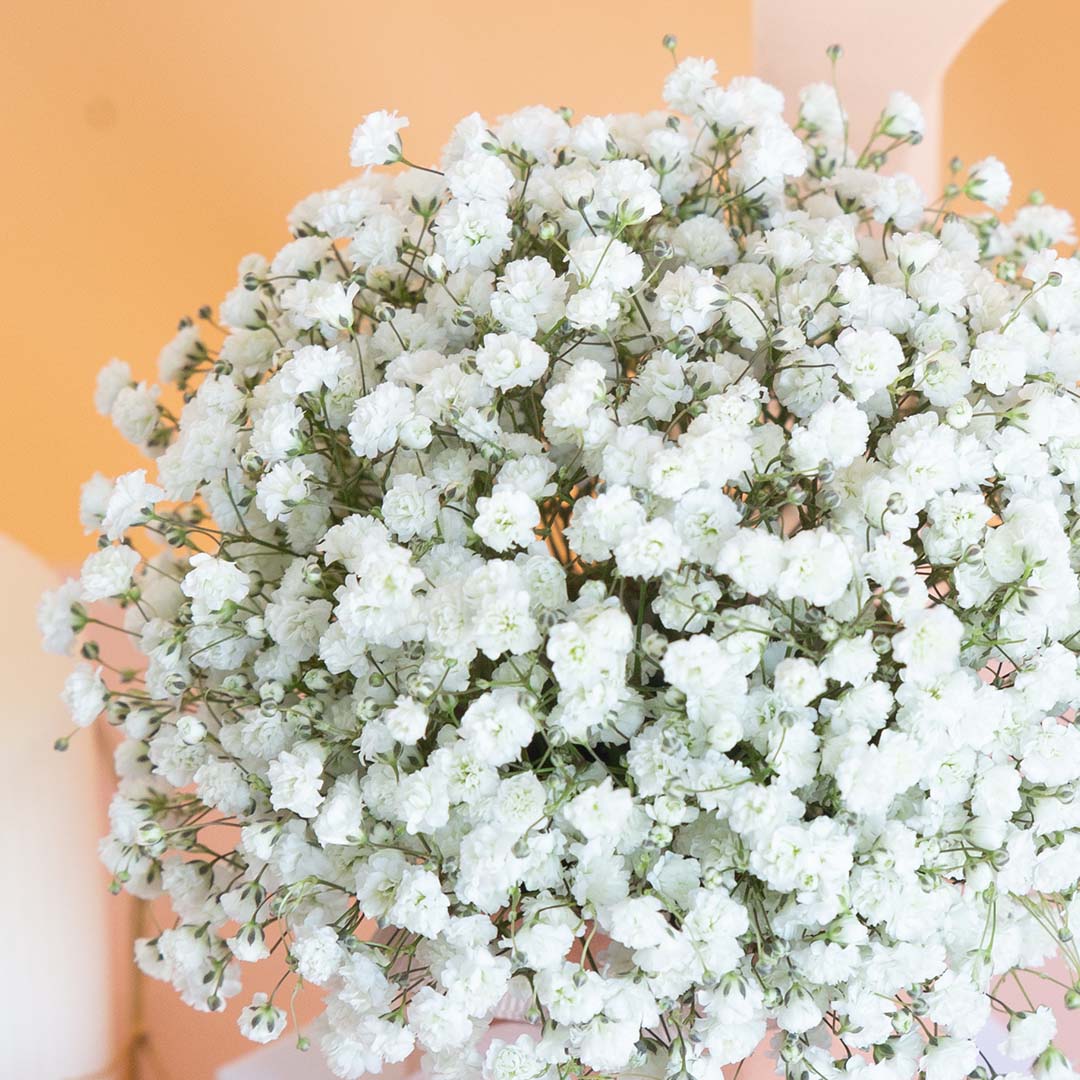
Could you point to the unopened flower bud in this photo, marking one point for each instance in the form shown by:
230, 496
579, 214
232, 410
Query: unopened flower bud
435, 267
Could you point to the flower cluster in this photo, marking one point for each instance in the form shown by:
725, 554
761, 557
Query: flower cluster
629, 572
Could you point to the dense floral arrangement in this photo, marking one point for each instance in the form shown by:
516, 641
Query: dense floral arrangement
634, 565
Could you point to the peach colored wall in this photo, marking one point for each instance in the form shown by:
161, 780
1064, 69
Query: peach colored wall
886, 46
1012, 92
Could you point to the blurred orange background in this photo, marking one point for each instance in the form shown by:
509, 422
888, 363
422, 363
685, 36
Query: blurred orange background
152, 144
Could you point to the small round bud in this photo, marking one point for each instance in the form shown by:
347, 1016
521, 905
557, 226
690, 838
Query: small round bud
834, 53
272, 691
175, 684
790, 1051
366, 709
703, 603
435, 267
419, 686
669, 41
384, 312
654, 645
318, 679
149, 834
251, 463
660, 835
415, 433
548, 230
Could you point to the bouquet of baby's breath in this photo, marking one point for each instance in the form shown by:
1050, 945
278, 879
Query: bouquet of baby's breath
635, 565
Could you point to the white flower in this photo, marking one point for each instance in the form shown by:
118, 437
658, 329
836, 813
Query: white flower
296, 778
313, 368
406, 721
325, 304
420, 904
84, 694
507, 360
1030, 1033
131, 498
497, 726
108, 572
798, 681
599, 811
55, 619
260, 1021
318, 955
649, 551
378, 419
989, 182
114, 377
902, 116
211, 583
376, 140
479, 175
340, 819
440, 1022
593, 308
684, 87
282, 489
689, 298
506, 519
599, 261
519, 1060
929, 643
867, 360
949, 1059
472, 235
